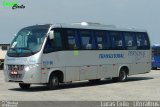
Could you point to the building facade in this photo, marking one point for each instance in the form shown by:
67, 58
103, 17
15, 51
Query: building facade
3, 51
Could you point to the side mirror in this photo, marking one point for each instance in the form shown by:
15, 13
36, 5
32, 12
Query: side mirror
51, 34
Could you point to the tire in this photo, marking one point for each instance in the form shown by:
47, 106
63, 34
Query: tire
53, 82
94, 81
122, 76
24, 86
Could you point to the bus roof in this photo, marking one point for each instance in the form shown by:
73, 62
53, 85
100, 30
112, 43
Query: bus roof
90, 25
98, 26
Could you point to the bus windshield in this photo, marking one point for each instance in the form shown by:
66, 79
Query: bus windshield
28, 41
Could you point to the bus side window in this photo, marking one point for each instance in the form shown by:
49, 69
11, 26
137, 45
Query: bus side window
142, 41
129, 41
100, 37
146, 41
54, 44
86, 40
71, 40
117, 40
48, 46
57, 41
99, 41
139, 41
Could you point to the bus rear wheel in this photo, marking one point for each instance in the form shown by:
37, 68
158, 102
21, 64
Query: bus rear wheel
24, 86
122, 76
53, 82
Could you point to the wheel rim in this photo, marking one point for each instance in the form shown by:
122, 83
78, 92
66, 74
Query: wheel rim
122, 75
55, 81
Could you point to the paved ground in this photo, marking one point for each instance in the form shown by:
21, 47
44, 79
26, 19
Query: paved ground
139, 87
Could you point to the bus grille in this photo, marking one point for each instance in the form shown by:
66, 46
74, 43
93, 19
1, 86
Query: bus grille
16, 71
18, 67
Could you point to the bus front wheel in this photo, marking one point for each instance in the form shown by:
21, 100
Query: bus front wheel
53, 82
24, 86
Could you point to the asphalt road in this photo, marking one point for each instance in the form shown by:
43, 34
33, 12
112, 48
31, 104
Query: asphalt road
142, 87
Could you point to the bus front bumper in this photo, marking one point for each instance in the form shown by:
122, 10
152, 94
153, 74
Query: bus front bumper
30, 74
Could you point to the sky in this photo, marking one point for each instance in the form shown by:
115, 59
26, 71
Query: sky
138, 14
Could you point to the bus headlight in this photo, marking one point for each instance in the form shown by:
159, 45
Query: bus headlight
29, 67
26, 68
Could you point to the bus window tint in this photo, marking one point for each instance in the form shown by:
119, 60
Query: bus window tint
53, 44
129, 41
142, 41
146, 42
57, 41
86, 40
100, 36
117, 41
71, 40
139, 37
